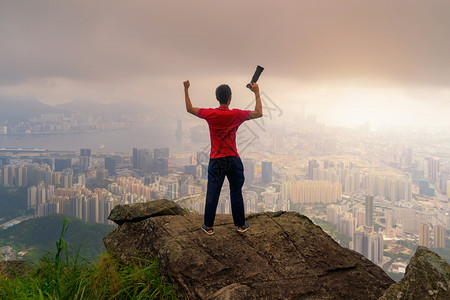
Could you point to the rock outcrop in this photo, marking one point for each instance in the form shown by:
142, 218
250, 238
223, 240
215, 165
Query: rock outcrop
141, 211
427, 277
283, 255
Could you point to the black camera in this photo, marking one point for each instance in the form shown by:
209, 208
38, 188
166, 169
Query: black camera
256, 75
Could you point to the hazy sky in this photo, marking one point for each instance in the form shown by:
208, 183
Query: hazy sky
346, 61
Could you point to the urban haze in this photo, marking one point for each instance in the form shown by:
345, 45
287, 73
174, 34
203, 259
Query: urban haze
355, 97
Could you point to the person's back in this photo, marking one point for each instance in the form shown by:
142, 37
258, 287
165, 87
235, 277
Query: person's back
224, 158
223, 124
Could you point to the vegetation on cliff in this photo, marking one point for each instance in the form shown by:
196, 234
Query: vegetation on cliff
66, 275
38, 236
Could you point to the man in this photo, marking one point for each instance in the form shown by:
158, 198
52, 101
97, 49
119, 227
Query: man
224, 158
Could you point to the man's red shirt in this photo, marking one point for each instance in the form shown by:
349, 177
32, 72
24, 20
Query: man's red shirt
223, 124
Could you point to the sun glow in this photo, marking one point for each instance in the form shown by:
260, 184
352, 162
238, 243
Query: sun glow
349, 105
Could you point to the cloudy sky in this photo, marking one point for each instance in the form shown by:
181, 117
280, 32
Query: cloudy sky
346, 61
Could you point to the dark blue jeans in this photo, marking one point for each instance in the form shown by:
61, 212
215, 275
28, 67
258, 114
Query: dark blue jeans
232, 167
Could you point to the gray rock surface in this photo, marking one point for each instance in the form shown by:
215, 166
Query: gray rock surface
427, 277
282, 255
141, 211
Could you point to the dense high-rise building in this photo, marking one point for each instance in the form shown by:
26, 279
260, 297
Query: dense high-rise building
146, 160
22, 176
309, 191
369, 210
172, 190
425, 189
376, 245
156, 160
190, 169
31, 197
85, 159
433, 169
448, 189
360, 243
360, 216
266, 172
110, 165
67, 178
249, 172
4, 161
202, 157
347, 225
312, 164
424, 234
135, 158
62, 163
41, 161
439, 236
161, 165
160, 153
332, 214
443, 178
370, 245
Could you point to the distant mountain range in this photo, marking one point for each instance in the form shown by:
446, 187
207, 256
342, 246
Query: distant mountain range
21, 110
42, 234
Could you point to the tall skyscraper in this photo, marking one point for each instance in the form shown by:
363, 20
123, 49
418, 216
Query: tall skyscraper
135, 158
110, 165
160, 153
161, 165
425, 189
370, 245
332, 213
62, 163
448, 189
433, 169
443, 178
424, 234
423, 185
439, 236
369, 210
249, 172
375, 247
312, 164
348, 225
85, 159
266, 172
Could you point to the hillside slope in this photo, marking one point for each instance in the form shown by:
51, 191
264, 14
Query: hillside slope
42, 234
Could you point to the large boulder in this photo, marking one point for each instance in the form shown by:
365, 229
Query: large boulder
427, 277
282, 255
141, 211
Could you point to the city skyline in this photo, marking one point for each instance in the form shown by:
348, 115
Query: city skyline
354, 134
347, 62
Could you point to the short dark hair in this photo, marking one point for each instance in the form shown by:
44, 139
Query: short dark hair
223, 93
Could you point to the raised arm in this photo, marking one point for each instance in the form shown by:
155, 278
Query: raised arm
189, 107
257, 112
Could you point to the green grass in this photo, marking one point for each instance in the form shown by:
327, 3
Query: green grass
65, 275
